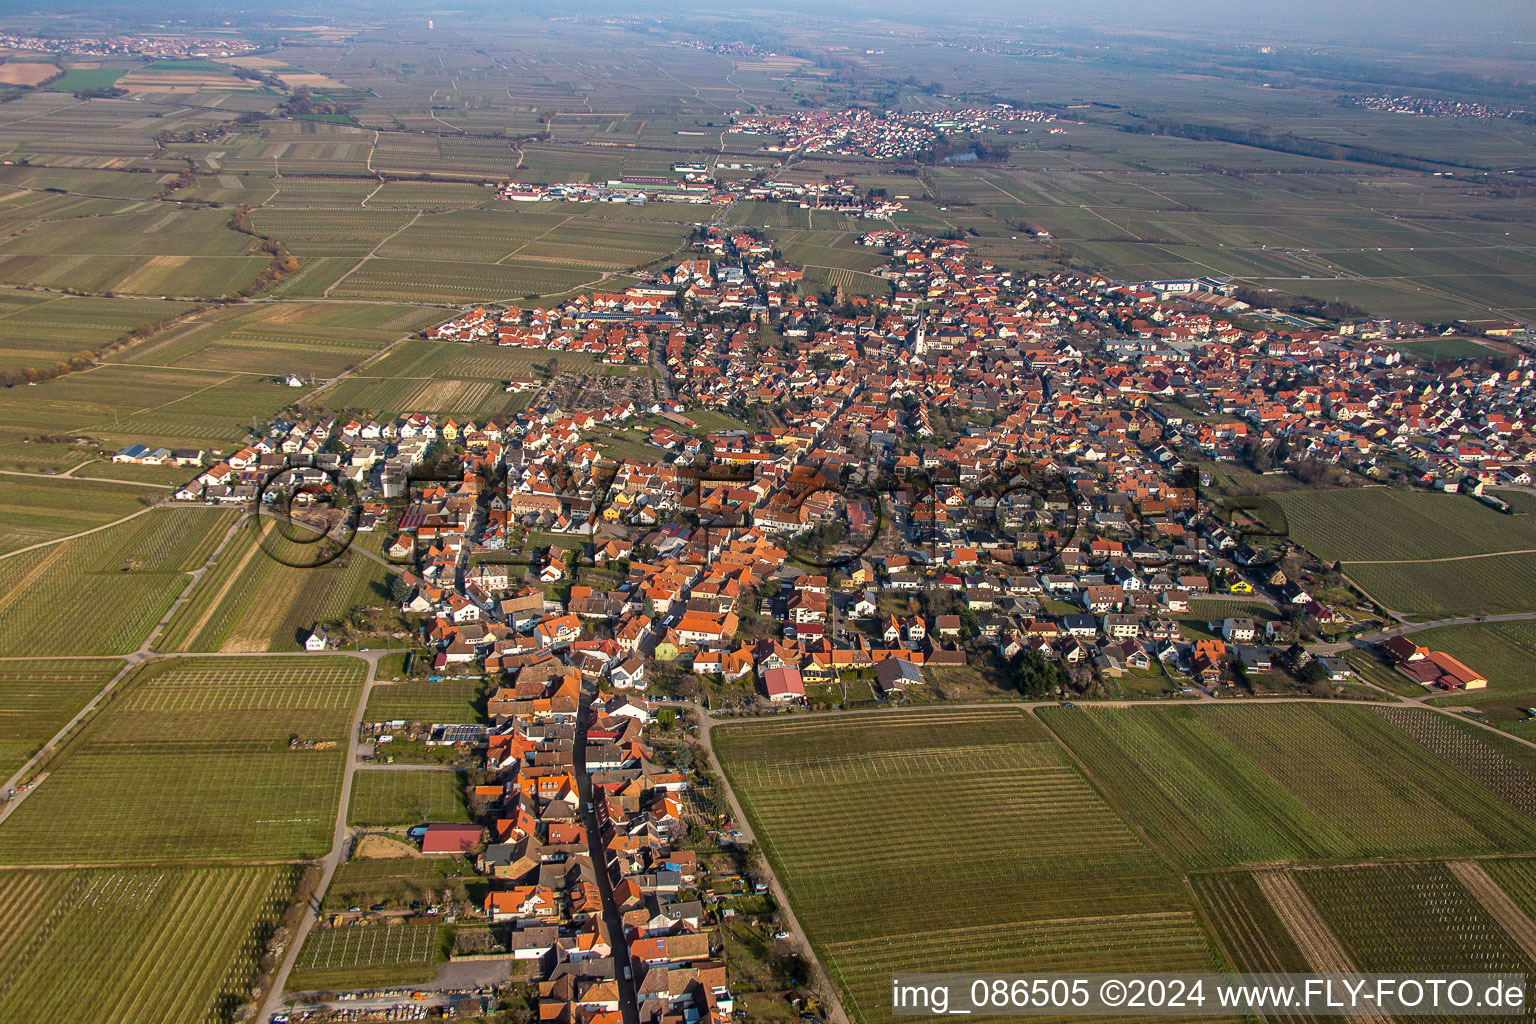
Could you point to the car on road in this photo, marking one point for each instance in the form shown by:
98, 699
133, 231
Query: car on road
781, 935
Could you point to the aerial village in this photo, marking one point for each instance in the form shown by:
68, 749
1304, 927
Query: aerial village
983, 480
967, 377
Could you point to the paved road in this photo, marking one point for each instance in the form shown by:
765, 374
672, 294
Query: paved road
797, 937
1367, 639
341, 837
629, 1004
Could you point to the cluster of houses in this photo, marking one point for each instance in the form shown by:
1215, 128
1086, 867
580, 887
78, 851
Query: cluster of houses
959, 376
886, 135
577, 831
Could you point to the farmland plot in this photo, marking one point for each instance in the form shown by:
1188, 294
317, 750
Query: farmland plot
164, 944
446, 701
350, 957
40, 509
1284, 783
196, 760
1389, 523
37, 697
386, 798
1411, 917
103, 593
1041, 875
250, 603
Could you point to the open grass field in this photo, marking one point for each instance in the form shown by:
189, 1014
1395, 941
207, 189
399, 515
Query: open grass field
1219, 786
76, 79
172, 944
33, 510
448, 701
1037, 871
37, 697
193, 762
384, 798
103, 593
402, 881
249, 602
371, 955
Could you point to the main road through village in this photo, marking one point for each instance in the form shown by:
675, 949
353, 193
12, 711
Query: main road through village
33, 774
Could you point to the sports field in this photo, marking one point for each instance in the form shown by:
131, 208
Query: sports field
194, 761
172, 944
952, 839
1217, 786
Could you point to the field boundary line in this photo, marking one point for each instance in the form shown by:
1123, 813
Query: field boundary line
1492, 897
82, 533
1448, 558
218, 599
1322, 948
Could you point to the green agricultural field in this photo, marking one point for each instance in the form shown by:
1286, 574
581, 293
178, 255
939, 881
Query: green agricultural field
1247, 924
385, 798
175, 252
79, 79
44, 508
1505, 652
41, 331
449, 701
314, 340
1217, 786
38, 697
368, 955
1037, 873
105, 931
1518, 880
251, 602
174, 408
401, 881
1379, 523
1496, 585
196, 760
103, 593
1411, 917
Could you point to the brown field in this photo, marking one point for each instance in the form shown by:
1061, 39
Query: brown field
15, 73
1309, 931
314, 81
180, 81
254, 62
149, 271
